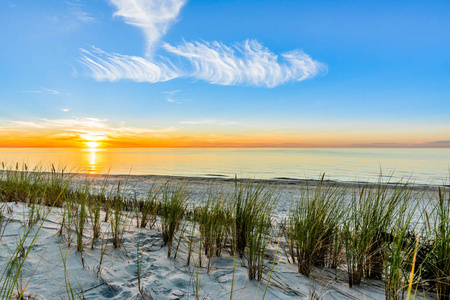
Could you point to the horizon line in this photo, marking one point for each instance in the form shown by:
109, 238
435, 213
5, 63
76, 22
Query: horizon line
231, 147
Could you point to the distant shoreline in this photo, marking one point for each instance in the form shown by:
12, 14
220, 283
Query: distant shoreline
278, 181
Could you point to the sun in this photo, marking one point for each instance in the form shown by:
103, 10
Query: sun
92, 145
92, 139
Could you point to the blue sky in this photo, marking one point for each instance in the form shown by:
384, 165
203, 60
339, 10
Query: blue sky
207, 73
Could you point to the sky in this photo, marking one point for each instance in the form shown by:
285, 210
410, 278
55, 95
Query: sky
254, 73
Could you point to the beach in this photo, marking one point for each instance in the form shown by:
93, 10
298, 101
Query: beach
55, 268
188, 149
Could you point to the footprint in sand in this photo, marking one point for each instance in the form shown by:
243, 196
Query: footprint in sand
110, 291
222, 276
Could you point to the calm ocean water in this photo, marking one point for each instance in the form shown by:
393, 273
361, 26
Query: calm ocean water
423, 165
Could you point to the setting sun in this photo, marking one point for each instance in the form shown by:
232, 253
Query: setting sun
92, 139
92, 144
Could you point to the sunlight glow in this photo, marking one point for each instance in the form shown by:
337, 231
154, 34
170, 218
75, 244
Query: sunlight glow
92, 144
92, 136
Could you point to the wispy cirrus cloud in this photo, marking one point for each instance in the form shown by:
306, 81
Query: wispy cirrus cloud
76, 10
77, 122
25, 124
112, 67
83, 16
81, 125
246, 63
153, 17
78, 131
43, 91
170, 97
170, 93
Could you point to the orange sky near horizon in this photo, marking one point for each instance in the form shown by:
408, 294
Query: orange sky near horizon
92, 132
205, 139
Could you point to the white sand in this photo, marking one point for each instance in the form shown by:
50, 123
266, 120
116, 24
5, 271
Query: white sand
44, 276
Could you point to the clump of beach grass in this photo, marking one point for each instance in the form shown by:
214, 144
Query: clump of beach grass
313, 225
81, 216
55, 186
95, 205
401, 245
10, 278
31, 186
257, 241
251, 203
117, 215
439, 256
17, 184
251, 221
214, 220
173, 206
149, 207
366, 228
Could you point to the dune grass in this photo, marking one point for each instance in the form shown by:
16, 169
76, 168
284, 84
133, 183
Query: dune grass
173, 206
400, 246
148, 208
367, 228
94, 204
371, 235
214, 219
252, 203
313, 225
439, 256
10, 279
117, 223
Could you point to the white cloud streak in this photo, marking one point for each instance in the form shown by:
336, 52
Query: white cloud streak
43, 91
78, 12
53, 92
82, 16
172, 92
105, 66
247, 63
77, 126
153, 17
27, 124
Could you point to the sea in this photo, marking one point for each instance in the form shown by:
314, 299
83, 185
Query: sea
418, 165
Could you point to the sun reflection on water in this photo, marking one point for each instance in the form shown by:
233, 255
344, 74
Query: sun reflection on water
92, 160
